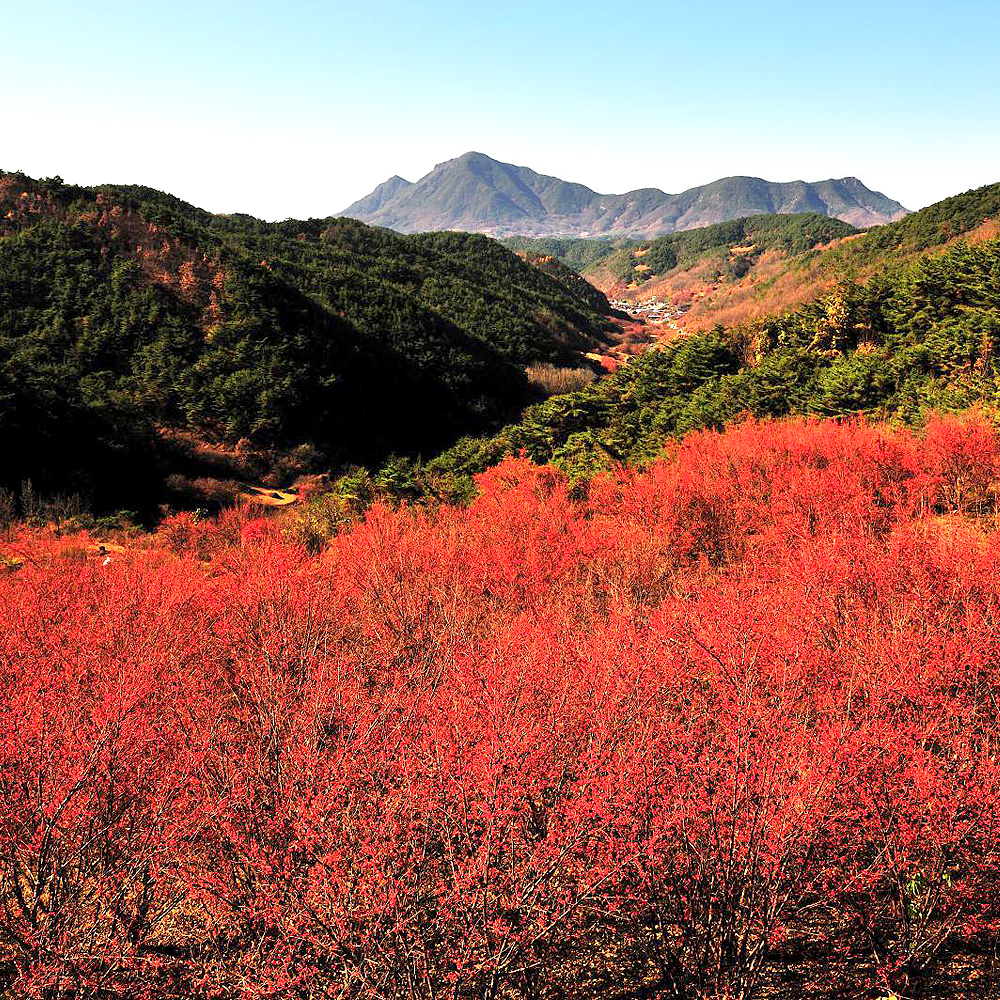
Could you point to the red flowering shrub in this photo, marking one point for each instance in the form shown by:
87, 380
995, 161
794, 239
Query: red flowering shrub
731, 719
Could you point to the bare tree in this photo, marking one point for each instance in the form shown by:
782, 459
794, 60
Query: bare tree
8, 514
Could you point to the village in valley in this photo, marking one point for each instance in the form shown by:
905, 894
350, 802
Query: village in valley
652, 310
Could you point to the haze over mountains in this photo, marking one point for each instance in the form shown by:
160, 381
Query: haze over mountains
476, 193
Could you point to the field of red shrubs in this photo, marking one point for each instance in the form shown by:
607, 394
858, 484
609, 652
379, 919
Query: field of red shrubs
727, 727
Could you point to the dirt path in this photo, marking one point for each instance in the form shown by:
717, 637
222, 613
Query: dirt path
266, 497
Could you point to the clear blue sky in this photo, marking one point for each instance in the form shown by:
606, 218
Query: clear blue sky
296, 108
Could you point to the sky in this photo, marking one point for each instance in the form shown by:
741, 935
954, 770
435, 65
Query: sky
296, 108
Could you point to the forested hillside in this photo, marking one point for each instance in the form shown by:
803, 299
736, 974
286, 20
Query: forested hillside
915, 337
124, 311
635, 261
576, 252
751, 269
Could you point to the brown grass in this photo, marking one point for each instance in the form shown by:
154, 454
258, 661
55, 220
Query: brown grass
553, 380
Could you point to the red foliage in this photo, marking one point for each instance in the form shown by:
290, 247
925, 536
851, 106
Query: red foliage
666, 734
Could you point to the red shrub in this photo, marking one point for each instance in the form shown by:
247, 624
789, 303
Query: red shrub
662, 734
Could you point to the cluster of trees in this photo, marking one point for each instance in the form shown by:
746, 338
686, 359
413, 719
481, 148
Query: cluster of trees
722, 725
122, 309
916, 337
575, 282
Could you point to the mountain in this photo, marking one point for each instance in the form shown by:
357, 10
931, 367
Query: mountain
476, 193
129, 317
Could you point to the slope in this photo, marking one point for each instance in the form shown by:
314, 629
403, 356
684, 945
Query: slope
748, 269
124, 311
917, 328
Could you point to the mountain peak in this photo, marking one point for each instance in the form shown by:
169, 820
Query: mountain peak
477, 193
373, 202
466, 159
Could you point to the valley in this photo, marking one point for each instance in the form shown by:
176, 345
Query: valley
569, 571
564, 618
356, 326
137, 323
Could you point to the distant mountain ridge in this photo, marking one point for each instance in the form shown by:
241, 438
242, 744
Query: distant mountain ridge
476, 193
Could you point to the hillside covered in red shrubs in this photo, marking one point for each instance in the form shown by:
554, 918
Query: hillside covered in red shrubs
726, 727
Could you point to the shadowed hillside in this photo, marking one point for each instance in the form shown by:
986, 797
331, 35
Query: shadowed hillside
125, 311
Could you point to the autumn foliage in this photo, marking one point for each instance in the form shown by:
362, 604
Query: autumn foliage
718, 728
